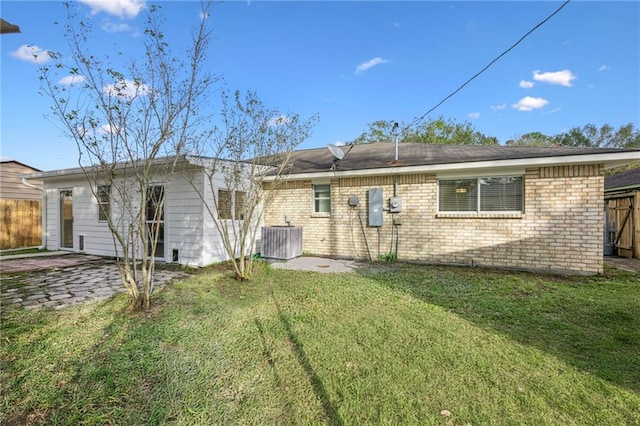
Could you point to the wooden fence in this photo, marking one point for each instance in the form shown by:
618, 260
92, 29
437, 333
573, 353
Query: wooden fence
623, 223
20, 223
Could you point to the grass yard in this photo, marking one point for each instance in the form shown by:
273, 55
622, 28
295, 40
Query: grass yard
389, 344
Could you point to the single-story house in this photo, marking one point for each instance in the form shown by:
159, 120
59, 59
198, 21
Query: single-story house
622, 218
19, 206
534, 208
521, 207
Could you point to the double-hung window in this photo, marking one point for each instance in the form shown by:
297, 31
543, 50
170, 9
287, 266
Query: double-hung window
481, 195
103, 195
224, 204
231, 204
321, 198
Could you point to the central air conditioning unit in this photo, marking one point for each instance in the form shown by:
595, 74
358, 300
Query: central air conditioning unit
281, 242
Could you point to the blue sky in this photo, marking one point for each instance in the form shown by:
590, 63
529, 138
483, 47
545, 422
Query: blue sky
352, 63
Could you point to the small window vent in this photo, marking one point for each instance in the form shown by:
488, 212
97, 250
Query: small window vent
81, 242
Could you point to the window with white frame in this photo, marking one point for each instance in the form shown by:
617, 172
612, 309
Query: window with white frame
482, 195
322, 198
224, 204
231, 204
103, 194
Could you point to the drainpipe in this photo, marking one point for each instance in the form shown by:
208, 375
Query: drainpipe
44, 212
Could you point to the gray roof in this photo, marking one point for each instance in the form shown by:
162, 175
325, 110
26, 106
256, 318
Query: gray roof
628, 179
382, 155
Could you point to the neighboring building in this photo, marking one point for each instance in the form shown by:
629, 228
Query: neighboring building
11, 185
20, 206
521, 207
622, 219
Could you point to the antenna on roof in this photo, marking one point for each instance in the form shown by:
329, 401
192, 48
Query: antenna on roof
337, 153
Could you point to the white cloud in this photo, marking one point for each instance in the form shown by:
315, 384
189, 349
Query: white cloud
529, 104
498, 107
31, 53
126, 89
278, 121
71, 79
121, 8
116, 27
591, 86
604, 67
562, 78
108, 128
526, 84
396, 24
369, 64
473, 115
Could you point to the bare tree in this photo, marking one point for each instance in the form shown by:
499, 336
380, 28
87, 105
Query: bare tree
251, 143
132, 121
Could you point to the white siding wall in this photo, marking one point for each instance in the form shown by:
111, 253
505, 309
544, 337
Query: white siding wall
183, 221
50, 232
189, 227
97, 237
213, 249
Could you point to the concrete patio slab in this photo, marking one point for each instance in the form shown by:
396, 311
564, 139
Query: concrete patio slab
316, 264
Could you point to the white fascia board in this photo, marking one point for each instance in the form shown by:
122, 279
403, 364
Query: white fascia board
485, 167
55, 173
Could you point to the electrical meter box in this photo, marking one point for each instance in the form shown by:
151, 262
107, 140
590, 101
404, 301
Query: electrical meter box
395, 205
375, 207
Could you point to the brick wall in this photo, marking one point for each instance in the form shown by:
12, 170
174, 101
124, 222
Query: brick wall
559, 230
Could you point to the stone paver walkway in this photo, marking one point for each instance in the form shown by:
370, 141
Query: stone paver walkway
95, 279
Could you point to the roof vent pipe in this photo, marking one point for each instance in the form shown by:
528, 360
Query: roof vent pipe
395, 137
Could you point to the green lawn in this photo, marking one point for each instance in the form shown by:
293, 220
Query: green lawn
390, 344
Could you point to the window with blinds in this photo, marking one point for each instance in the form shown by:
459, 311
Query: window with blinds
486, 194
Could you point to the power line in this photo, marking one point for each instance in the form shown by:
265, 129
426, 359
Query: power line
541, 23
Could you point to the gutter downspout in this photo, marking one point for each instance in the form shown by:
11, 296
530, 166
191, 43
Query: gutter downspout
44, 212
